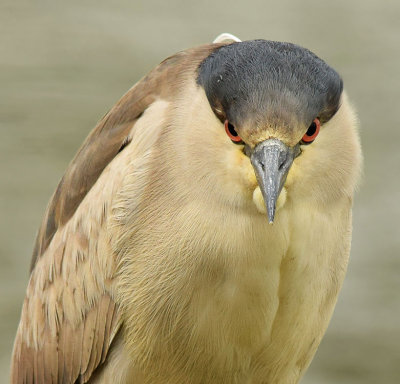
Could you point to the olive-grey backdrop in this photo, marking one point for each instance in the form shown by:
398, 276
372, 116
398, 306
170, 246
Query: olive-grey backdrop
64, 64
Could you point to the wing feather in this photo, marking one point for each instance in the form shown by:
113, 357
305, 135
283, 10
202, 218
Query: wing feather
70, 316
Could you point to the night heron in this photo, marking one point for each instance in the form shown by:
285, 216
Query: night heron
201, 234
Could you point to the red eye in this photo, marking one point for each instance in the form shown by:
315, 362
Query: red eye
230, 131
312, 132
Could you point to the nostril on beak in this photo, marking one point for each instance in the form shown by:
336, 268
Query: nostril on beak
282, 160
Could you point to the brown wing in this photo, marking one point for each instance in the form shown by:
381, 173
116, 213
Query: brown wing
70, 316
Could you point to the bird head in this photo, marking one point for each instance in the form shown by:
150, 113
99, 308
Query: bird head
263, 104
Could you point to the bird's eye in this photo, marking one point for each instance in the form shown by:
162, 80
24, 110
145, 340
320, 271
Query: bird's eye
312, 132
233, 135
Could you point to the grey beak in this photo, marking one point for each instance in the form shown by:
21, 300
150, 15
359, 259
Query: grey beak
271, 160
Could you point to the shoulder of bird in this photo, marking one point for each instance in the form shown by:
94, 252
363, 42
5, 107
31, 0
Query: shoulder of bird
110, 136
71, 315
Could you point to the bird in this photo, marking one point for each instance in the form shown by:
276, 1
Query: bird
202, 232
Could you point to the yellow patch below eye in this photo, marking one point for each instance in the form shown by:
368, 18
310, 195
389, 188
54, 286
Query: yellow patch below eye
244, 169
259, 200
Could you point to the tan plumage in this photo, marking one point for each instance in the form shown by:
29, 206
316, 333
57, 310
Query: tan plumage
155, 262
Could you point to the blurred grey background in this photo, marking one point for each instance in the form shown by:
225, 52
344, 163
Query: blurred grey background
64, 64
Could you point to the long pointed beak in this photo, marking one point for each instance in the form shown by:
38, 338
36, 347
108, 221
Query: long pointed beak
271, 160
